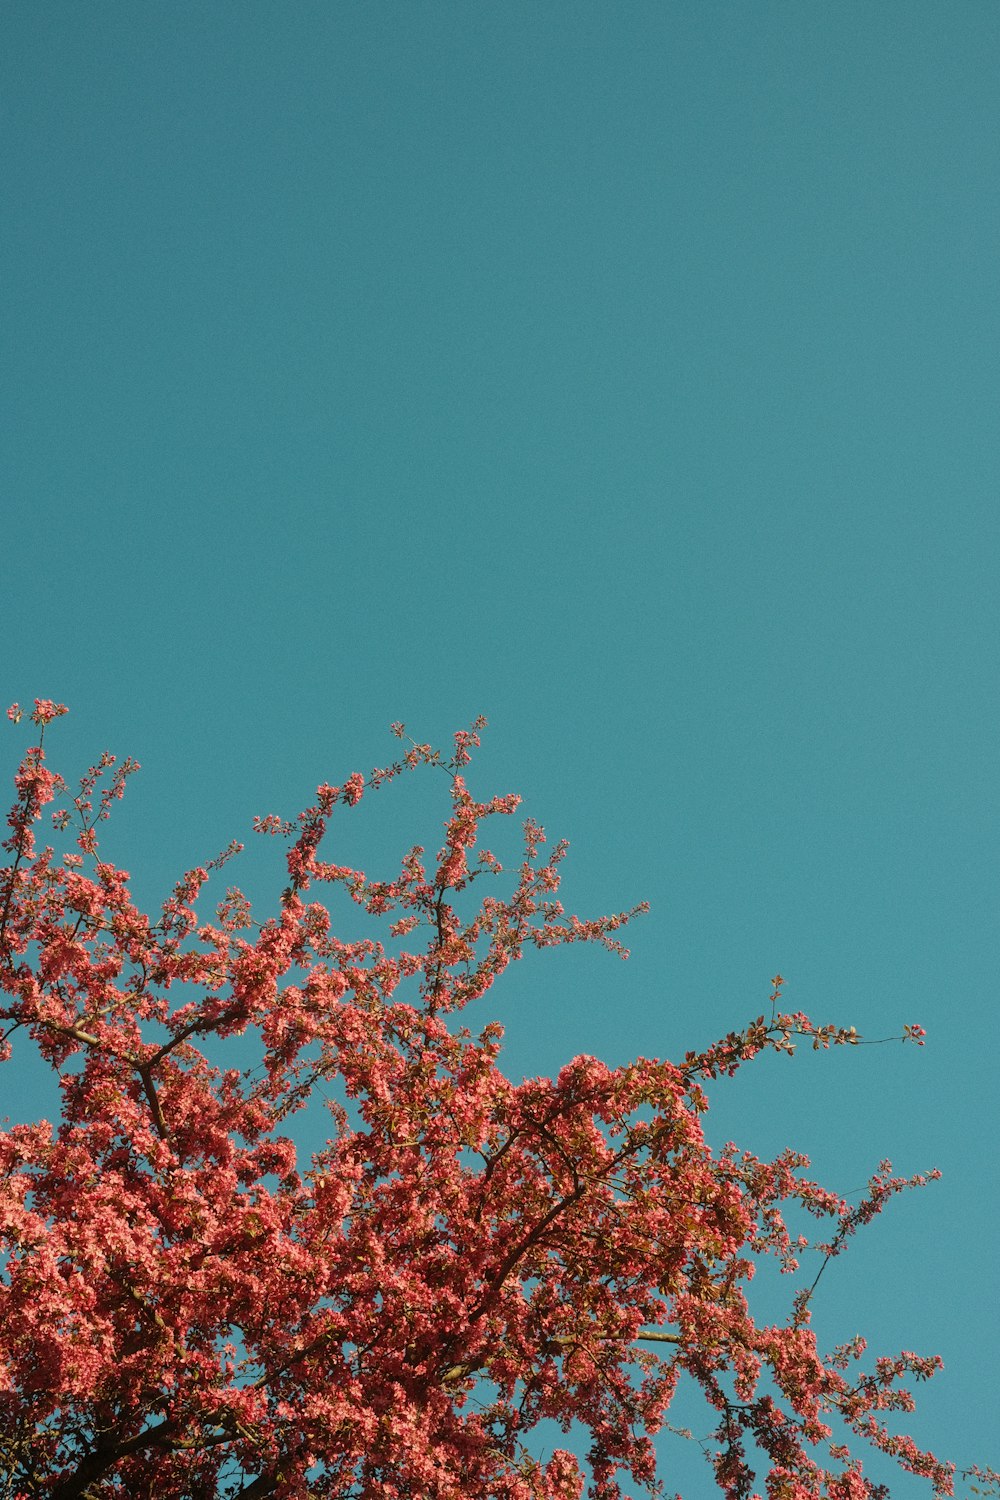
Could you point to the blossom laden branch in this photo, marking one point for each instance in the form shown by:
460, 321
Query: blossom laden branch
188, 1307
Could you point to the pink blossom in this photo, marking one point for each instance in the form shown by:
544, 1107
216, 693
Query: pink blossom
186, 1294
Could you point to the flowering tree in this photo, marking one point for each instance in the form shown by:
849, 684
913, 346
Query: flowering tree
187, 1310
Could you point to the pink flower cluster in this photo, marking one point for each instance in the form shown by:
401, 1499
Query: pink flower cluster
188, 1308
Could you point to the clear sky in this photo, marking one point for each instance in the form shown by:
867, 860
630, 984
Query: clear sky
627, 373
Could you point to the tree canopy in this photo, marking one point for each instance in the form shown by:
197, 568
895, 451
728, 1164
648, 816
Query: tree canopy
190, 1309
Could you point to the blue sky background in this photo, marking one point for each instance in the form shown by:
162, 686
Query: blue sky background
628, 374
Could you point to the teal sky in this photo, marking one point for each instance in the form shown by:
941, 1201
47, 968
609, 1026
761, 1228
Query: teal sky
627, 373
